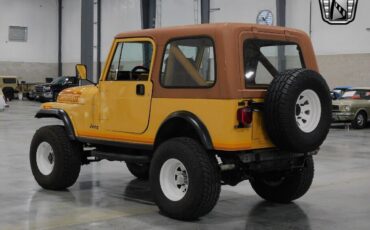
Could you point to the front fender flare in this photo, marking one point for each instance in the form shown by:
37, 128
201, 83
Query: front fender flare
61, 115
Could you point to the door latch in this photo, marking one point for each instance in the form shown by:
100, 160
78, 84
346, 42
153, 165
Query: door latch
140, 89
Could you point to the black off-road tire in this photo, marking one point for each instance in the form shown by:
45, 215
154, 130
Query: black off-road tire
8, 93
284, 187
141, 171
203, 177
67, 158
280, 110
360, 125
29, 97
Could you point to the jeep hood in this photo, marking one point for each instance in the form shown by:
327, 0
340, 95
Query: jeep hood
74, 94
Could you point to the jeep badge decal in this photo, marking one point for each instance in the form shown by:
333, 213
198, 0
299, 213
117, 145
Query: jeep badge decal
338, 12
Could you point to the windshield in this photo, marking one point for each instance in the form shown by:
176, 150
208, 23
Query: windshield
59, 81
356, 94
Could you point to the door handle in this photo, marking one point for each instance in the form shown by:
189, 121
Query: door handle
140, 89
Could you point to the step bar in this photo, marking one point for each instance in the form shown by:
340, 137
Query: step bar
113, 156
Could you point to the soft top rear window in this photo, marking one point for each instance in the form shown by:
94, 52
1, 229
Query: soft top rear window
264, 59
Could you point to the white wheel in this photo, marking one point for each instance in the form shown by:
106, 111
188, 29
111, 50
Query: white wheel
308, 111
173, 179
45, 158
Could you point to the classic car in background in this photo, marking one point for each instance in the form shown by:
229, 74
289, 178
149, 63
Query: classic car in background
353, 106
338, 91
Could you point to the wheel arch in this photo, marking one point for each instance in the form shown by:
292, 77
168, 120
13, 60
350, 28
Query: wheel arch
191, 126
362, 110
60, 115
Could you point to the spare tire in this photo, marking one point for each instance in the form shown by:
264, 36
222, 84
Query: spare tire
297, 113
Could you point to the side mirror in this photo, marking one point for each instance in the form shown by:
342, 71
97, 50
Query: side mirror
81, 71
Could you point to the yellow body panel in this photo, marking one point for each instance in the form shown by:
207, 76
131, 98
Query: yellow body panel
121, 110
219, 116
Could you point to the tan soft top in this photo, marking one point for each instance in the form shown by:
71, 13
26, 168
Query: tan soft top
174, 31
228, 39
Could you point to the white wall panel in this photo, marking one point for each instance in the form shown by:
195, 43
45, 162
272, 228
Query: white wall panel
118, 16
71, 31
41, 18
331, 39
177, 12
341, 39
240, 10
298, 14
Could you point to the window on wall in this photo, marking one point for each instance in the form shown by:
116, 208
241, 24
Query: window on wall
18, 33
131, 62
262, 62
189, 63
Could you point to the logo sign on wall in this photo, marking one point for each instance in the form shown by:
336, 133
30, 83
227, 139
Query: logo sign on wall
338, 12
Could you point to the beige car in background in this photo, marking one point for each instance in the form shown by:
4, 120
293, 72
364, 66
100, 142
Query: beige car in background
9, 85
353, 106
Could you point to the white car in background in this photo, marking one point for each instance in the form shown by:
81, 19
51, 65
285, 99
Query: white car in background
2, 101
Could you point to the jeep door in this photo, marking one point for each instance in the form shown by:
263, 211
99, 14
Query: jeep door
126, 88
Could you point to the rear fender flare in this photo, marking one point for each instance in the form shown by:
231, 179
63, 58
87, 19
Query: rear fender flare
194, 122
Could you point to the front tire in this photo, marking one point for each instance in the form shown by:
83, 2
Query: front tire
284, 188
360, 121
185, 179
55, 160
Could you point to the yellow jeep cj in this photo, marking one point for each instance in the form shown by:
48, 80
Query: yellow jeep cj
193, 108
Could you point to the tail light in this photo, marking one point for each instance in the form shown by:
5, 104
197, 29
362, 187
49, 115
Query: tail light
245, 116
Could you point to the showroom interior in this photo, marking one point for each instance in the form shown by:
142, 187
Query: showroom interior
42, 41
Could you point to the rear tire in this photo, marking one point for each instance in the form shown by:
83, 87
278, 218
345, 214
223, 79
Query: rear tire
55, 159
141, 171
360, 121
284, 188
185, 179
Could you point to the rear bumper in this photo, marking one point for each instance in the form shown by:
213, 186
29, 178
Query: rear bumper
271, 160
271, 155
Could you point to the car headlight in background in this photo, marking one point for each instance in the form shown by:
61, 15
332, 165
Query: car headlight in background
347, 108
47, 88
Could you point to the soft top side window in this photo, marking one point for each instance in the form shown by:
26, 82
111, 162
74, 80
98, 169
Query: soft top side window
264, 59
188, 63
131, 61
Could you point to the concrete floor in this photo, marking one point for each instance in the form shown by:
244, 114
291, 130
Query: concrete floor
106, 196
